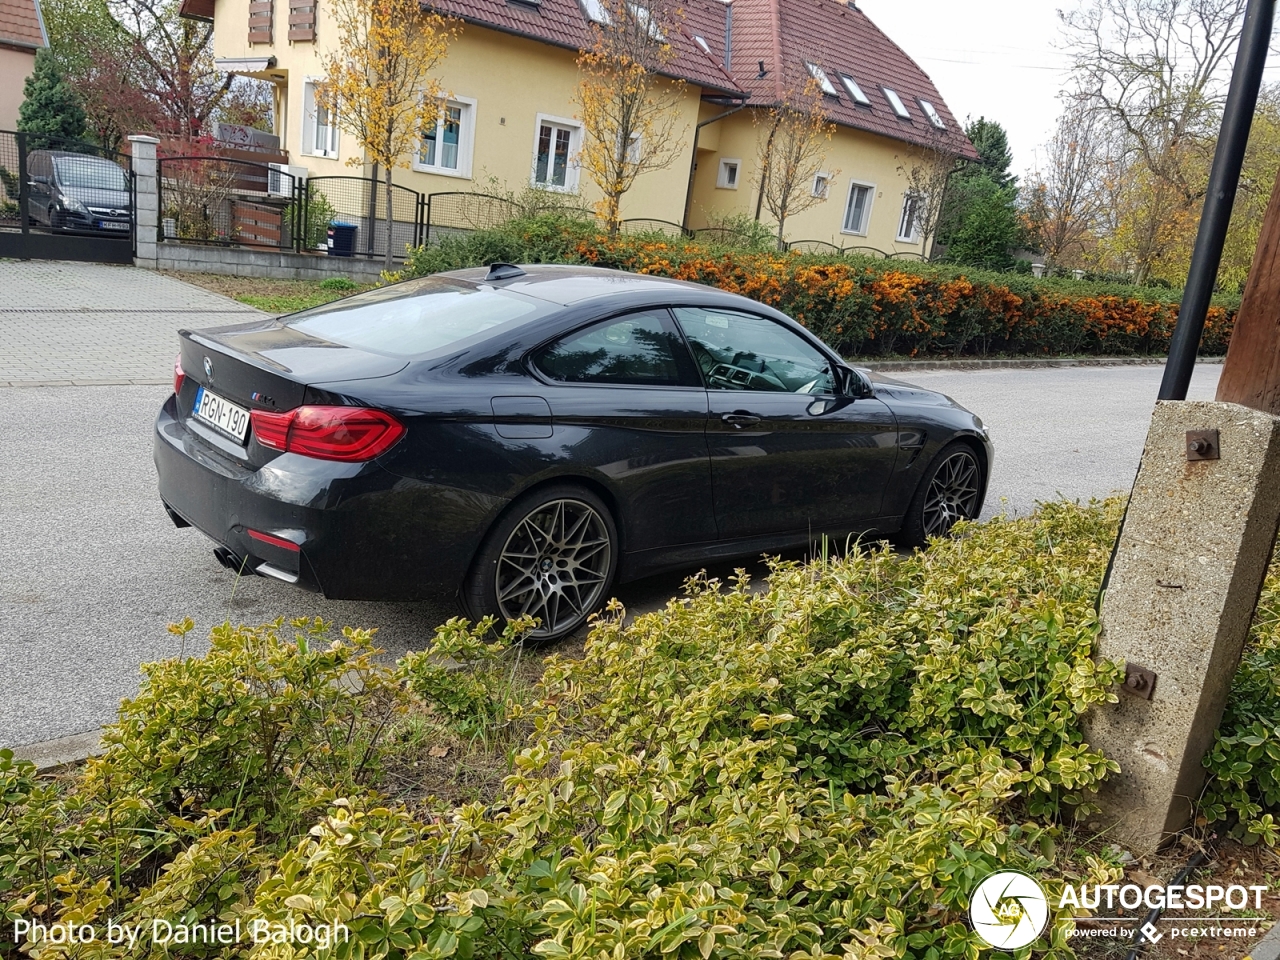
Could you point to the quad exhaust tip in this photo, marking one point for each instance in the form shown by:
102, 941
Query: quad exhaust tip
228, 559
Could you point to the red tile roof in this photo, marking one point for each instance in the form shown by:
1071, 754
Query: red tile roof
20, 23
563, 24
783, 34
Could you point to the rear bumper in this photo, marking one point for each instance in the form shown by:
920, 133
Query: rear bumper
362, 533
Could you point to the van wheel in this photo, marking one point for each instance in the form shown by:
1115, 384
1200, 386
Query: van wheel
552, 555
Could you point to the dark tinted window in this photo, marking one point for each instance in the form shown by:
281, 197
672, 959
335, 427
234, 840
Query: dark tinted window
419, 317
739, 351
639, 348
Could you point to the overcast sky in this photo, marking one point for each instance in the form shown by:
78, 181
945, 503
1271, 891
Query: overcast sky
1001, 59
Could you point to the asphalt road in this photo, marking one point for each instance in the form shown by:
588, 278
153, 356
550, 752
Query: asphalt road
92, 570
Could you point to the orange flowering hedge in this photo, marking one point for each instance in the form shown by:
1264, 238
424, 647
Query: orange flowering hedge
868, 307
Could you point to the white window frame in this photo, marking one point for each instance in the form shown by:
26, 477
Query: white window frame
309, 117
702, 44
722, 174
851, 87
572, 168
824, 81
466, 141
895, 102
596, 12
823, 178
932, 113
914, 237
866, 213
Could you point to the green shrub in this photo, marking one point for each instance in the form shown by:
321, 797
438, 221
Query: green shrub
338, 283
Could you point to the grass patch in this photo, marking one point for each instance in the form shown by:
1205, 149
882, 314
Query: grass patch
276, 296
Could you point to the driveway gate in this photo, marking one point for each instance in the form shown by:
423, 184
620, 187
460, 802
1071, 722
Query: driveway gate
65, 200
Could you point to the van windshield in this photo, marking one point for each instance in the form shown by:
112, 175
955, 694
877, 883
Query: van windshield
417, 318
90, 173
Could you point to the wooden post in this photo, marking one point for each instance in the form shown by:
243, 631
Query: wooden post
1251, 374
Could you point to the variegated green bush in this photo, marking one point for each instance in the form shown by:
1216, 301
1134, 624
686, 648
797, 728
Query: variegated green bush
821, 768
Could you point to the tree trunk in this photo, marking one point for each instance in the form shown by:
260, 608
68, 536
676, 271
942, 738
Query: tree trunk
390, 219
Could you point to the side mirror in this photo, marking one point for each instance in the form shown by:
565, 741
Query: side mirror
851, 383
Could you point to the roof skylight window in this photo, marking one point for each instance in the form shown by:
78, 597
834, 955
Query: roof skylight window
703, 44
855, 91
645, 19
596, 12
895, 101
934, 117
824, 82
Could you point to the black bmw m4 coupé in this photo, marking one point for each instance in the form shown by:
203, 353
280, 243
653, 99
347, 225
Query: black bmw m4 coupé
528, 437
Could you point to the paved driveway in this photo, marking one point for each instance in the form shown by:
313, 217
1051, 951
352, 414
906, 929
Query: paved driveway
91, 569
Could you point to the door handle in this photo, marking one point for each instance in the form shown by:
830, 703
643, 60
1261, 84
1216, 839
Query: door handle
740, 419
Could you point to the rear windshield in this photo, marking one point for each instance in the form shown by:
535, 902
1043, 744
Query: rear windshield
417, 318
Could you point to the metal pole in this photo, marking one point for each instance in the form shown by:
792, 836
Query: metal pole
1237, 119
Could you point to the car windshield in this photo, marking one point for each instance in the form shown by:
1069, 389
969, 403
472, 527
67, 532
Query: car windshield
90, 173
416, 318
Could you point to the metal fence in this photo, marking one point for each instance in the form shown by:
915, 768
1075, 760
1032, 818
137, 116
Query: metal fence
359, 204
222, 201
65, 199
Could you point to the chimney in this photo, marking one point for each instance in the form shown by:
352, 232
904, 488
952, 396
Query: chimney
728, 37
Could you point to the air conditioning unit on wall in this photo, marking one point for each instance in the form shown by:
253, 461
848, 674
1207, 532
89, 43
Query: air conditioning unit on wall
279, 185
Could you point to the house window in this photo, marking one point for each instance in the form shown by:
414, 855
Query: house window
857, 212
596, 12
702, 44
895, 101
855, 91
446, 145
727, 178
554, 148
821, 185
931, 112
824, 81
319, 126
909, 225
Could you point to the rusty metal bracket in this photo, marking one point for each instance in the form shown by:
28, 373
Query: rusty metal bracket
1203, 445
1139, 681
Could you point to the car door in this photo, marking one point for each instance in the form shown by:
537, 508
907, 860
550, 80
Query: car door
788, 453
628, 402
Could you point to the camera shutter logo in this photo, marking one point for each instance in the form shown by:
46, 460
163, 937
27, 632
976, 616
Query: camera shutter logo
1009, 910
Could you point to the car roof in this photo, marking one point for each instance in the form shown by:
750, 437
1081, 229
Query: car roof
571, 285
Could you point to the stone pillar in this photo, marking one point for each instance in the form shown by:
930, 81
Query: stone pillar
1188, 571
146, 199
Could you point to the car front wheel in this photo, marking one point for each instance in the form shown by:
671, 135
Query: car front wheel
949, 493
552, 556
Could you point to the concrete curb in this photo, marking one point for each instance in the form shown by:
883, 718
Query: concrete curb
1268, 948
52, 754
84, 383
901, 366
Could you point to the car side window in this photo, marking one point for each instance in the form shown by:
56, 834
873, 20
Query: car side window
640, 349
741, 351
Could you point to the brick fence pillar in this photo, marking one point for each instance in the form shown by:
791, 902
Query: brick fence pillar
147, 199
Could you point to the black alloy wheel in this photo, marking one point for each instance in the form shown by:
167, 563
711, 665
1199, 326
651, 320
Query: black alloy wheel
949, 493
551, 557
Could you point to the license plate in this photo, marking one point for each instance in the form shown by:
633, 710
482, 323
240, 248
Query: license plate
112, 225
222, 415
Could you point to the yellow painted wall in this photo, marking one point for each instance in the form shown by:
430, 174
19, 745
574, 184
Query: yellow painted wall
15, 67
511, 79
858, 156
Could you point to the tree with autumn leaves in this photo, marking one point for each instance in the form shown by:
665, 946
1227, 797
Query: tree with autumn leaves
379, 83
792, 152
630, 112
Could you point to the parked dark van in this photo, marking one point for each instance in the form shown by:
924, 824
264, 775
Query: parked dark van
78, 192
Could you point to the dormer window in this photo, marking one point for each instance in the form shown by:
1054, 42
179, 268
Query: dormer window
895, 101
645, 19
855, 91
824, 81
932, 113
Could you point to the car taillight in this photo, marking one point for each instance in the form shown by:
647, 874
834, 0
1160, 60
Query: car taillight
178, 375
349, 434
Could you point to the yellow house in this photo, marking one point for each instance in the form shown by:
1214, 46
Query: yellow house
510, 120
22, 33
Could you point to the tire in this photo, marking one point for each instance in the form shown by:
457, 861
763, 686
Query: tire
552, 555
951, 490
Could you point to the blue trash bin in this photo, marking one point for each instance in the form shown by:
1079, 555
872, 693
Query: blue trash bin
342, 239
